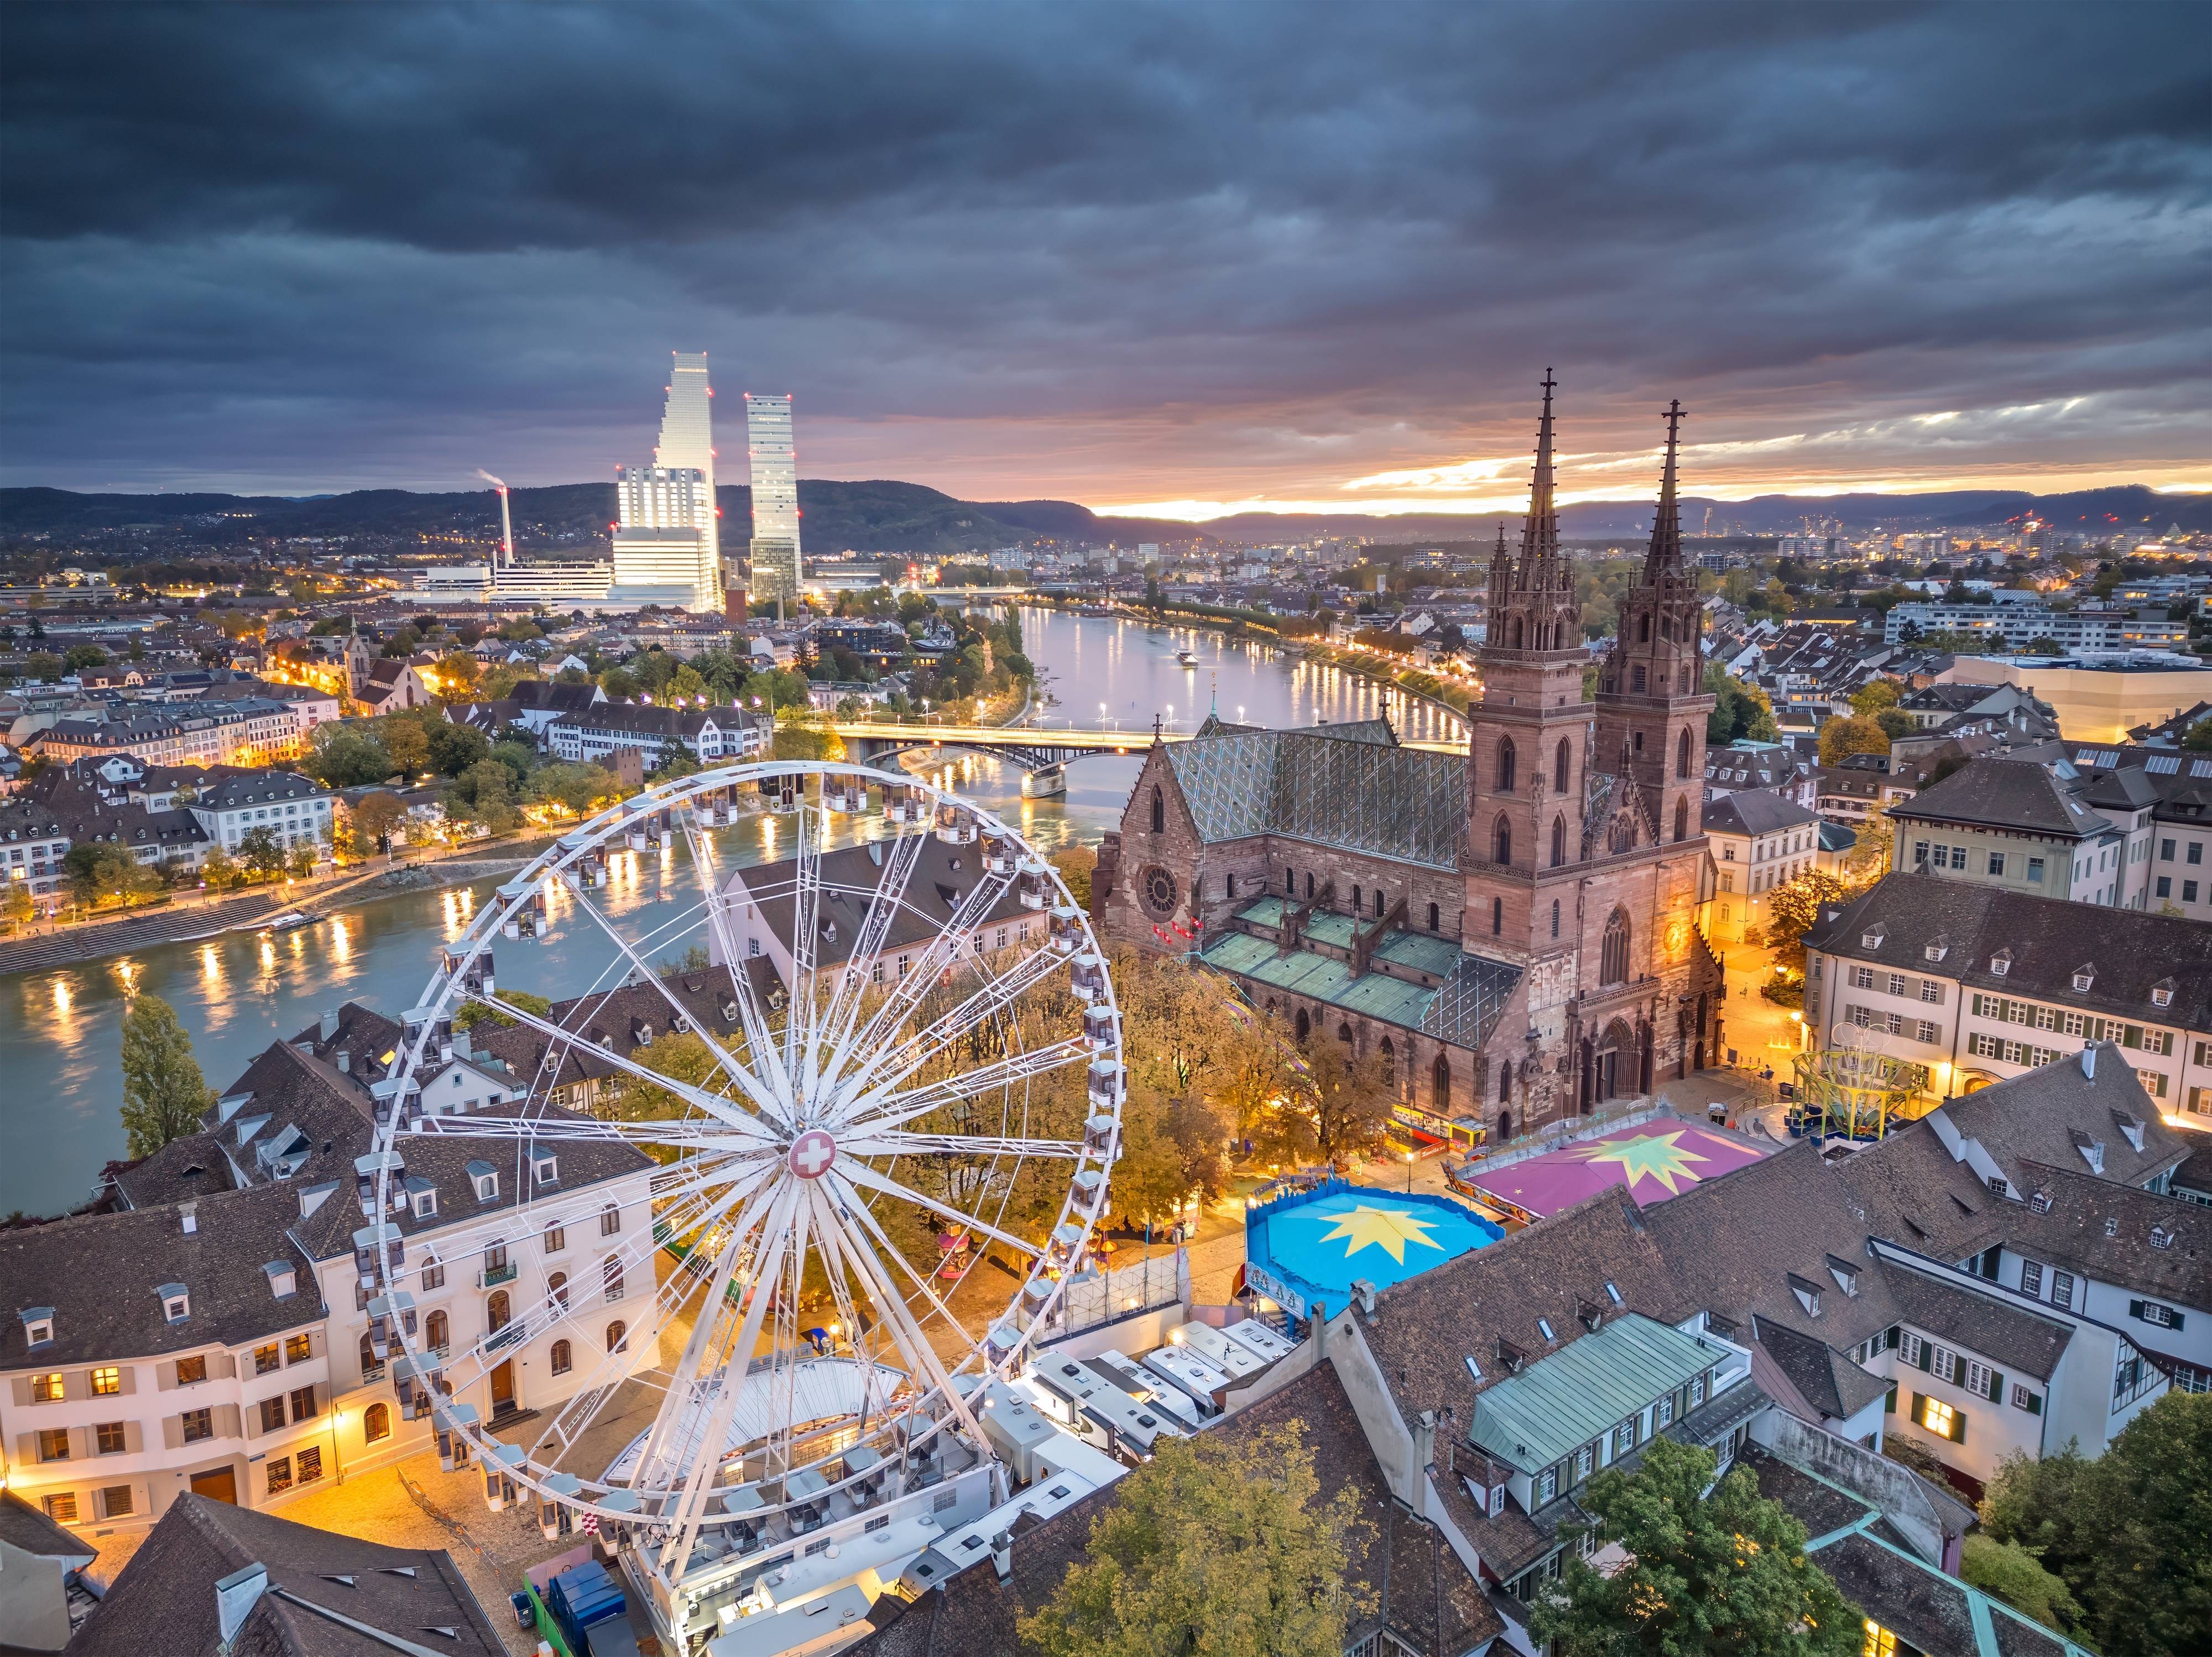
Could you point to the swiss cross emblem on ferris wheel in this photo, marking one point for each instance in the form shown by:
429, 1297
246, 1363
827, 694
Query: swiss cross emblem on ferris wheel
811, 1153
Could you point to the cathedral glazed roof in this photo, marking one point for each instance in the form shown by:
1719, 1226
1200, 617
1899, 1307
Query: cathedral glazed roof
1469, 1005
1350, 787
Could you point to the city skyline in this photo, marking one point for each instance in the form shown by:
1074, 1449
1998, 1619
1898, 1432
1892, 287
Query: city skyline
1175, 266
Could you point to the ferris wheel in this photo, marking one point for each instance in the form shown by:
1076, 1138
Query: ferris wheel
905, 1049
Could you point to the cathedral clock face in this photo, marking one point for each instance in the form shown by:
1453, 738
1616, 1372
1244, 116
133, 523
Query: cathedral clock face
1157, 888
1678, 934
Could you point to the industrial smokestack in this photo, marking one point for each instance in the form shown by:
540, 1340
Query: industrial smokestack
506, 522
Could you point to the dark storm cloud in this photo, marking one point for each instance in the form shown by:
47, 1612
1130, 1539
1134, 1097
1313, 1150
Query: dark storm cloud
1111, 251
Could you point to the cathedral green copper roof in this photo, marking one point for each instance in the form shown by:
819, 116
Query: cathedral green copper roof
1463, 1010
1350, 787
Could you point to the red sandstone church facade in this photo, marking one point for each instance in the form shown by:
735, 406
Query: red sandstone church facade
1512, 935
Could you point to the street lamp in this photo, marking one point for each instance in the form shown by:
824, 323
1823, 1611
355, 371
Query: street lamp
1409, 1173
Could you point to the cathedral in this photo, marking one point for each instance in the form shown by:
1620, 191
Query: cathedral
1509, 934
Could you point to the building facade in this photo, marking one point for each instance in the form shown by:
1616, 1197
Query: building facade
1759, 841
709, 734
665, 540
1512, 934
777, 570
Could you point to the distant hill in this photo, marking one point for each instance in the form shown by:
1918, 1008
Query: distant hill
891, 517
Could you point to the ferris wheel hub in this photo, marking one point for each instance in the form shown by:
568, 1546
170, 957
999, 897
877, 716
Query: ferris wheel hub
811, 1153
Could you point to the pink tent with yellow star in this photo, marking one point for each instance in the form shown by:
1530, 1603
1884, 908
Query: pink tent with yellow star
1655, 1159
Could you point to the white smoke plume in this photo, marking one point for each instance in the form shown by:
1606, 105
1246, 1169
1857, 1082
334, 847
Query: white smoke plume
488, 478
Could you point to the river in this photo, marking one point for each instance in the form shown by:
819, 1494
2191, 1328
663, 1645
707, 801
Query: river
60, 1030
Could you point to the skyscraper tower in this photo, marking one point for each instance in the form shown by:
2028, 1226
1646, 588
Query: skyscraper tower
687, 443
776, 555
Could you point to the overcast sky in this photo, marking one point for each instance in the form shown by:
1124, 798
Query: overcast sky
1126, 254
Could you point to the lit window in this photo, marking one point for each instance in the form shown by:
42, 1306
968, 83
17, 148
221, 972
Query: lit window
107, 1381
47, 1388
1939, 1417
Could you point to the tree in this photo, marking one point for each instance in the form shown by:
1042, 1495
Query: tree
1875, 695
1721, 1574
1849, 734
1739, 710
261, 852
164, 1095
300, 864
2199, 739
455, 749
21, 906
1218, 1546
78, 658
376, 815
406, 741
477, 1012
2014, 1575
620, 687
1792, 909
219, 870
2123, 1532
99, 871
1076, 865
484, 793
346, 755
1895, 723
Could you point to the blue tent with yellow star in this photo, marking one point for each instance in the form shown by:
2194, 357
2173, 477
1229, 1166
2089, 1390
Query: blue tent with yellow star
1309, 1247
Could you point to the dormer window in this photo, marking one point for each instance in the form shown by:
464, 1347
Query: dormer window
2040, 1202
283, 1281
1808, 1293
176, 1302
2112, 1227
2160, 1237
485, 1179
2000, 963
1938, 949
547, 1170
1871, 938
2161, 995
1845, 1274
426, 1205
38, 1325
2084, 976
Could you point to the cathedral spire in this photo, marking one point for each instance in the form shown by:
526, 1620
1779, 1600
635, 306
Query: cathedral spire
1539, 534
1665, 554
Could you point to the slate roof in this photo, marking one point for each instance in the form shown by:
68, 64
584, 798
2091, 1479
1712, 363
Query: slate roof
164, 1598
1351, 786
1753, 811
2002, 1330
2035, 1116
1824, 1377
1424, 1594
2131, 951
99, 1272
27, 1528
2006, 793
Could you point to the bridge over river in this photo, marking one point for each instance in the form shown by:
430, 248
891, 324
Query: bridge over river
1042, 750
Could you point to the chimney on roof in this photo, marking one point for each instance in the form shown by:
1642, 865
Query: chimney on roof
235, 1597
2089, 1060
1002, 1555
189, 1214
345, 1062
330, 1023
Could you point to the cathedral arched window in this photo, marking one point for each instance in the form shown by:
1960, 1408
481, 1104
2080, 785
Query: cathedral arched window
1308, 885
1159, 813
1389, 1055
1440, 1085
1559, 842
1643, 629
1304, 1025
1505, 1094
1501, 841
1355, 899
1613, 957
1636, 678
1682, 757
1505, 767
1682, 818
1344, 1034
1435, 918
1560, 763
1498, 916
1555, 917
1291, 882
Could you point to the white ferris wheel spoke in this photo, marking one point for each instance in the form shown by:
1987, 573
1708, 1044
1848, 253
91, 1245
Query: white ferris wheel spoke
682, 1518
760, 1038
860, 1173
893, 1063
722, 1109
708, 1135
875, 1112
884, 901
898, 1142
760, 1099
941, 951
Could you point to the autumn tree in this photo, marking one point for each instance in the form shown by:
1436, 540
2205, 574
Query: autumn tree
1710, 1573
1334, 1107
1076, 865
1220, 1546
1792, 909
374, 817
261, 852
21, 906
219, 870
164, 1095
1845, 735
1875, 695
